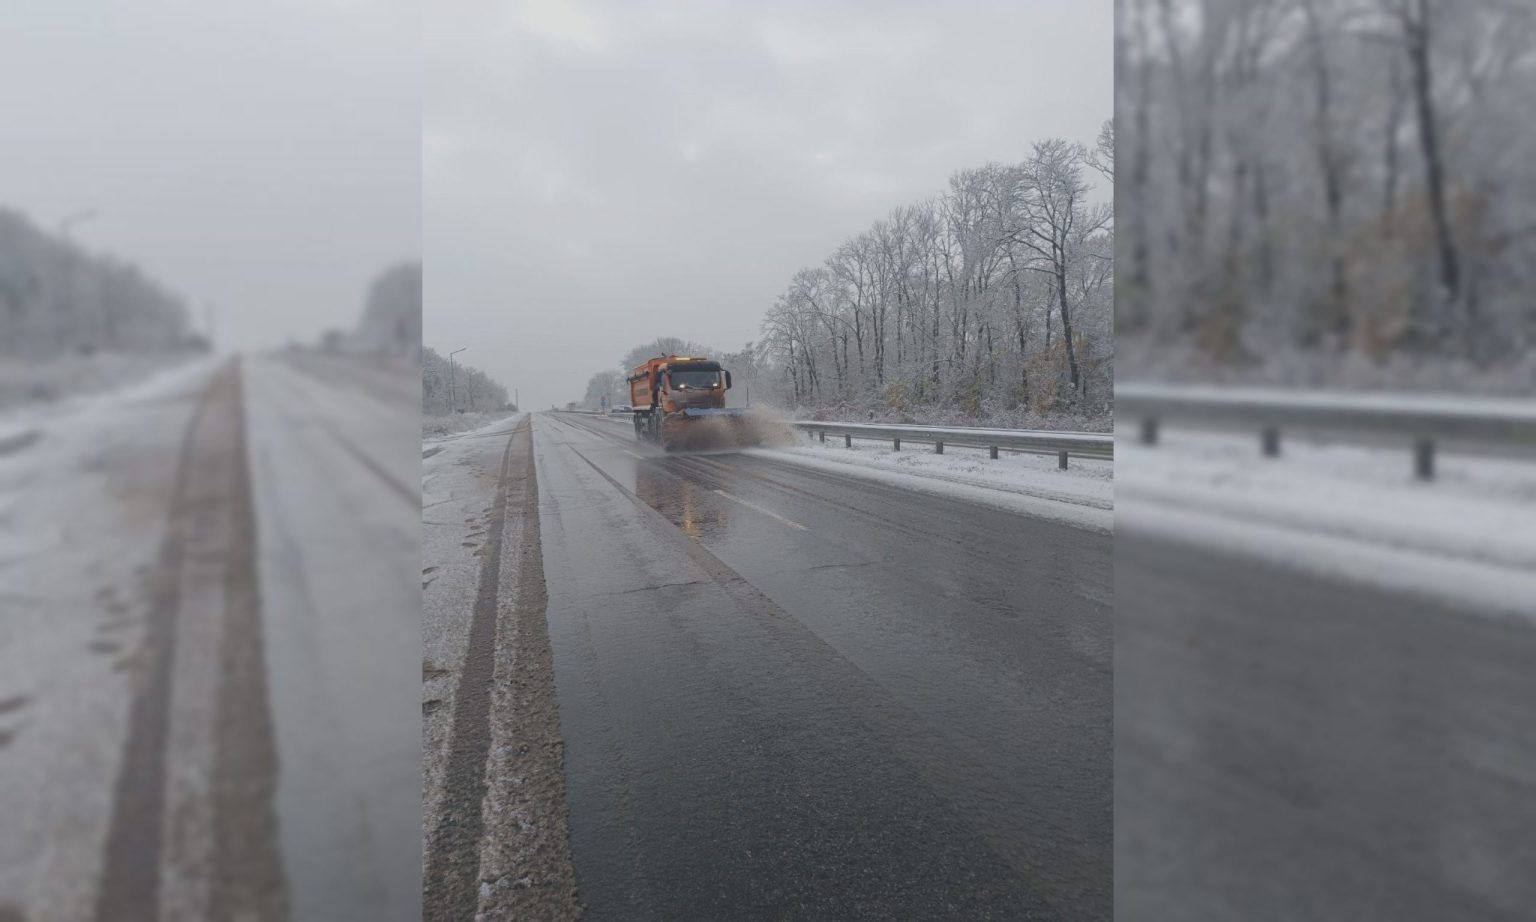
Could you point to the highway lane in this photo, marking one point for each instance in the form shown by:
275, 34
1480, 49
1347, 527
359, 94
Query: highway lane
786, 692
1290, 745
189, 725
336, 473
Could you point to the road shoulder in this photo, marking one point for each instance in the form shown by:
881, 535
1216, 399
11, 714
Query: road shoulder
497, 843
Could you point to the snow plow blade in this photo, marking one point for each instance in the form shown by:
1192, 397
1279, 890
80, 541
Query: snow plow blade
715, 429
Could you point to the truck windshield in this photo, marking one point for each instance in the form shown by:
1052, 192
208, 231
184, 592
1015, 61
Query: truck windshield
695, 380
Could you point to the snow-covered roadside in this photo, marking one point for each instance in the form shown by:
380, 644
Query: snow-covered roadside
83, 508
493, 424
1343, 510
458, 487
997, 418
153, 382
1083, 495
42, 386
437, 428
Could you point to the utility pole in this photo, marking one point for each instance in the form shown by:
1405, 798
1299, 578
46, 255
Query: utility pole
452, 400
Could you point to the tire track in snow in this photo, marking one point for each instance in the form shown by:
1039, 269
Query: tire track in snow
450, 890
192, 833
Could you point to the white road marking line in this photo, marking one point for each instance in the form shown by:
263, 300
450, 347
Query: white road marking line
632, 454
768, 512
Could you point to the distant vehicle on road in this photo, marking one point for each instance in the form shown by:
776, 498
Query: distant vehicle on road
622, 409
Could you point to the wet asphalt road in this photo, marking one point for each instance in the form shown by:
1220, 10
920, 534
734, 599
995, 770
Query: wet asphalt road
787, 693
1294, 747
335, 469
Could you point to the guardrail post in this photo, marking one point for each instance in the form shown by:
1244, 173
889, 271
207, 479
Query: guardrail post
994, 452
1149, 431
938, 448
897, 441
847, 440
1061, 460
1271, 442
823, 434
1424, 459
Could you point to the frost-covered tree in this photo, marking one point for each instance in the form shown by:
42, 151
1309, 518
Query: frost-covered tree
391, 318
994, 296
1317, 183
447, 387
609, 384
992, 300
55, 298
665, 345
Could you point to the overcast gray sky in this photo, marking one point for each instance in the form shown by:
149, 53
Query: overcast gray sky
259, 154
602, 173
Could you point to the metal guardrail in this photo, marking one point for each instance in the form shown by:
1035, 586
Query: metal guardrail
1061, 444
1421, 421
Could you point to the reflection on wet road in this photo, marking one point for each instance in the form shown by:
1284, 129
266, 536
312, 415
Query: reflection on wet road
787, 693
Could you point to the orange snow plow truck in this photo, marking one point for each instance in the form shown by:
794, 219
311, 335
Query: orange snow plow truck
679, 401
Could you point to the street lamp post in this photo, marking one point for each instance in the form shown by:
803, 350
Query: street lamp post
452, 399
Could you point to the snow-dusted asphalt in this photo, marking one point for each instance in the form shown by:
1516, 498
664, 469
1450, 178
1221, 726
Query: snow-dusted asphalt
336, 467
199, 576
791, 692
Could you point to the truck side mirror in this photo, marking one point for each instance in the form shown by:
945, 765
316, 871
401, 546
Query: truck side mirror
727, 380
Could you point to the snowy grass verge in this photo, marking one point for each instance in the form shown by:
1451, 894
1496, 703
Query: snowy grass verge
37, 383
1082, 495
23, 423
498, 425
1347, 510
438, 427
990, 417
